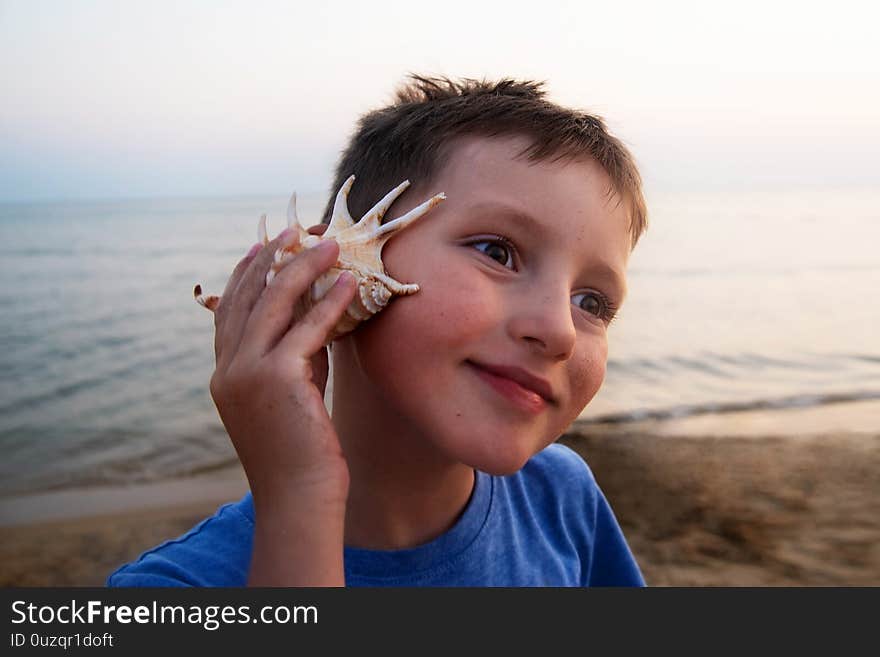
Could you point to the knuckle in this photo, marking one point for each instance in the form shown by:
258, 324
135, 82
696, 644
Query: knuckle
237, 378
217, 386
298, 369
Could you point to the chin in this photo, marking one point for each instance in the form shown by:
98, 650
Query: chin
497, 464
502, 472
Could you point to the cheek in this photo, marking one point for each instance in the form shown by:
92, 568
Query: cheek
449, 320
588, 370
452, 306
444, 316
466, 307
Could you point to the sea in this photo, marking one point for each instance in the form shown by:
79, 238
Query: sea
737, 301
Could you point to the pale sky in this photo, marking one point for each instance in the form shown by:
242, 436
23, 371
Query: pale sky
134, 99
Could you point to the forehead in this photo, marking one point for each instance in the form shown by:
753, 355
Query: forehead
475, 168
568, 203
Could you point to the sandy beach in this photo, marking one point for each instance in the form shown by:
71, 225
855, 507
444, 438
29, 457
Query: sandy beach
764, 498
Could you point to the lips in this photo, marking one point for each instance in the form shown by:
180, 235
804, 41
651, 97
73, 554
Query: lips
520, 376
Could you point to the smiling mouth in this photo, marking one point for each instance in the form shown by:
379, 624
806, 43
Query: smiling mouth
517, 395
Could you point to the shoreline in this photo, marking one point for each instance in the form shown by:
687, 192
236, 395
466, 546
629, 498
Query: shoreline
766, 498
851, 417
847, 418
72, 504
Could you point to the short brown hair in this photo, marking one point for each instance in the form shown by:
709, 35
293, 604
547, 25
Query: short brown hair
407, 139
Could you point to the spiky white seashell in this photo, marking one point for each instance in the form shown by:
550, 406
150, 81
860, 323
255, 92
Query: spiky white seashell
360, 252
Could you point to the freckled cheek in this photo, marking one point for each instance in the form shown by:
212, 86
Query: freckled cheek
450, 311
587, 371
454, 306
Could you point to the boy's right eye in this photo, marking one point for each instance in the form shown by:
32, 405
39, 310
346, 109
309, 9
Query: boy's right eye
499, 249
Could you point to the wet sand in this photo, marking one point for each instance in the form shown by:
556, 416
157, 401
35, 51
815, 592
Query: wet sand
767, 498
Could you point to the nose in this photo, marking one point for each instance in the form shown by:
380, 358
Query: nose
545, 323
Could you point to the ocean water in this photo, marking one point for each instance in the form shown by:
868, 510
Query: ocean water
737, 301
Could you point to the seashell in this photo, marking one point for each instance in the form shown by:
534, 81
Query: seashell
360, 252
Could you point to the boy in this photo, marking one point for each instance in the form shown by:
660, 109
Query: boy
437, 467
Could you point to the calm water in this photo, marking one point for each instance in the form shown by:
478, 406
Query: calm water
736, 302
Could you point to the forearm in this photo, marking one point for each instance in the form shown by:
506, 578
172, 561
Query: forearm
268, 387
298, 543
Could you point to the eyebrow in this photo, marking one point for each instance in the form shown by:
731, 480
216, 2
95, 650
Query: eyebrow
527, 223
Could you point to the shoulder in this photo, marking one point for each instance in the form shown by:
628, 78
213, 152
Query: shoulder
216, 552
555, 488
559, 487
562, 472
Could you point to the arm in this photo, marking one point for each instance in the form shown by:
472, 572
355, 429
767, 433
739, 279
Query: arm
268, 387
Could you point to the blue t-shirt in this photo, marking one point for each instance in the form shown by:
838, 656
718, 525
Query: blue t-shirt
546, 525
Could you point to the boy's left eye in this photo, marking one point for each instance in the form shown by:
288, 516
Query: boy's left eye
496, 249
595, 303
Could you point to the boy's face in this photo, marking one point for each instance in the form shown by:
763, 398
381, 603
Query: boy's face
496, 292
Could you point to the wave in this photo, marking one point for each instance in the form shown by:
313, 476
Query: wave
118, 252
120, 457
738, 365
738, 271
717, 408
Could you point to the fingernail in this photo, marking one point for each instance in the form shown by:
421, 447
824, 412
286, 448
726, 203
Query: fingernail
343, 279
256, 247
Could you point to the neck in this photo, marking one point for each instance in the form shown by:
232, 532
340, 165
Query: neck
403, 491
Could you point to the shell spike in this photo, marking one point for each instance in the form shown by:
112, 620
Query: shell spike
374, 217
341, 217
292, 218
411, 216
262, 234
210, 302
396, 286
360, 252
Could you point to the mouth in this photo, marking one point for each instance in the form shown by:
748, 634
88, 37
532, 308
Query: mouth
520, 389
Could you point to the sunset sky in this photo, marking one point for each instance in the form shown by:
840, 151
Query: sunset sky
125, 99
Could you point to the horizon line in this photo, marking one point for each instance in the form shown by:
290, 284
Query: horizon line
653, 187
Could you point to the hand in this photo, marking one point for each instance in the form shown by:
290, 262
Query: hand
271, 372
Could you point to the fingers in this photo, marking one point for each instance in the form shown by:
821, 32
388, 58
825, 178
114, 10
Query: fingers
234, 280
225, 299
309, 335
241, 300
240, 269
274, 313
